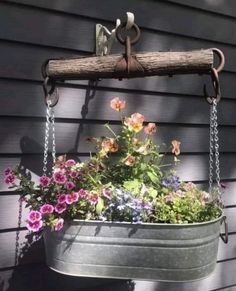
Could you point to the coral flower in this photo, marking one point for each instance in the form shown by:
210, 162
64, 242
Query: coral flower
58, 224
34, 226
175, 147
130, 161
150, 128
109, 145
46, 208
135, 122
59, 177
33, 216
117, 104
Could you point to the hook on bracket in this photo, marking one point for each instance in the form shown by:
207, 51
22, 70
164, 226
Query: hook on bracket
106, 38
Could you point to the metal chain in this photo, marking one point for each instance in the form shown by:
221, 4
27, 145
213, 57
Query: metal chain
50, 124
17, 246
214, 161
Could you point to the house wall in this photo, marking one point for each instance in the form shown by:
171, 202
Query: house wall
32, 31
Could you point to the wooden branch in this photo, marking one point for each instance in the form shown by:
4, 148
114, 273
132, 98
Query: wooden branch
153, 63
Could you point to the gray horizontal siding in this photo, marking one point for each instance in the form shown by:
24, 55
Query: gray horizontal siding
34, 31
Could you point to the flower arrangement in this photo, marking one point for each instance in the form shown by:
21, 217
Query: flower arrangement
126, 180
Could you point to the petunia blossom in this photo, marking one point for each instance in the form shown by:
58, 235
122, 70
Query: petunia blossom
59, 224
175, 147
44, 181
74, 174
69, 185
33, 216
70, 163
117, 104
82, 193
9, 179
60, 208
7, 171
46, 208
107, 193
59, 177
34, 226
93, 198
150, 128
61, 198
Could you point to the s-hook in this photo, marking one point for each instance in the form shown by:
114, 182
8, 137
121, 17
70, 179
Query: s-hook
215, 78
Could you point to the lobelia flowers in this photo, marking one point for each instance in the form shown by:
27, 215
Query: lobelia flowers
127, 179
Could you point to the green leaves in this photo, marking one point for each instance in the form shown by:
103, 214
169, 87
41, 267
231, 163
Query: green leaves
99, 206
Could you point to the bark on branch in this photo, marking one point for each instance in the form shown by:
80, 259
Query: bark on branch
153, 63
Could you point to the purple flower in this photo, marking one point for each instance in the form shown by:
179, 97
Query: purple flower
9, 179
34, 226
59, 177
60, 208
59, 224
44, 181
171, 182
33, 216
46, 208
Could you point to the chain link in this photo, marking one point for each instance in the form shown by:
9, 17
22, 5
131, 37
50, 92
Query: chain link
17, 246
214, 161
50, 125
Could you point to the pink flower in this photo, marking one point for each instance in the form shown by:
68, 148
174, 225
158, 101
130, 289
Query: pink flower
44, 181
135, 122
168, 198
93, 198
34, 226
59, 224
107, 193
75, 196
150, 128
61, 198
9, 179
33, 216
7, 171
70, 163
59, 177
69, 185
74, 174
46, 208
69, 199
117, 104
60, 208
82, 193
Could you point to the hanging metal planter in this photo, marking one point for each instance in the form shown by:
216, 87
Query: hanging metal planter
148, 251
162, 252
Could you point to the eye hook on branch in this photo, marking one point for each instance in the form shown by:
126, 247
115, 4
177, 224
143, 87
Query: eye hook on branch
216, 86
49, 88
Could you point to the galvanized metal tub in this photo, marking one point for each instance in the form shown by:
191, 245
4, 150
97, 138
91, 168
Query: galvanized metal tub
156, 252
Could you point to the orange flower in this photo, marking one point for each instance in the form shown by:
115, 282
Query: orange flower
109, 145
150, 128
175, 147
135, 122
117, 104
130, 161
